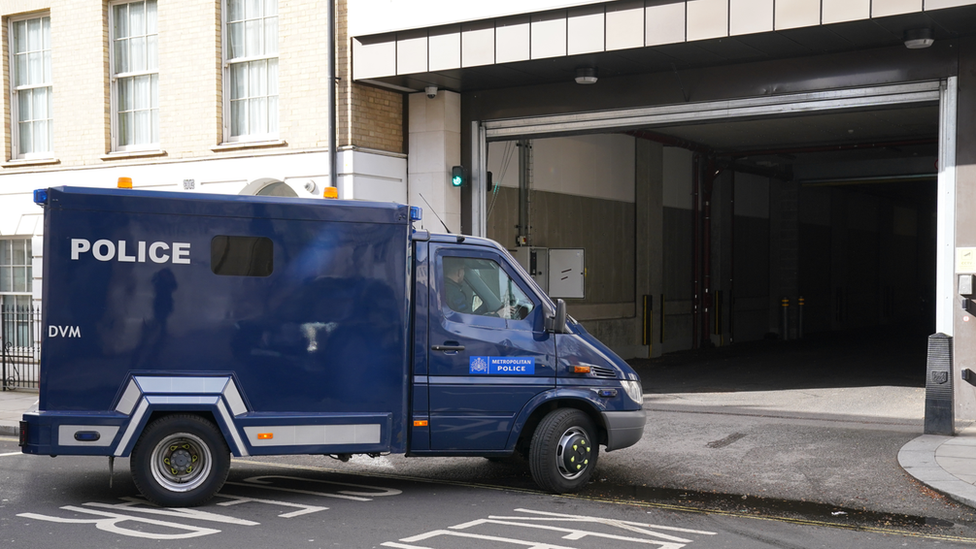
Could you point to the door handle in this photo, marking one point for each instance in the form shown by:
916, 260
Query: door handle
447, 348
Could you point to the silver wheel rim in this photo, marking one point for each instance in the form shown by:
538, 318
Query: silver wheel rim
572, 460
181, 462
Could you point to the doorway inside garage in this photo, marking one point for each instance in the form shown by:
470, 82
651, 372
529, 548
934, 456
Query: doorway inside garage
781, 222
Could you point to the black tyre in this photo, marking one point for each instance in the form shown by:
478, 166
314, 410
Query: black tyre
180, 461
564, 451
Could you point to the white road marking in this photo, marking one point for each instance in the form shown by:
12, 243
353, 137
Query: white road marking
195, 514
577, 534
296, 491
617, 523
260, 482
512, 541
649, 534
110, 523
303, 509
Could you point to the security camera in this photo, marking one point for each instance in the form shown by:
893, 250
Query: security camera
431, 91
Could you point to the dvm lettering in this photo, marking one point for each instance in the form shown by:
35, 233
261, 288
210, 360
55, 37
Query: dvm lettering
63, 331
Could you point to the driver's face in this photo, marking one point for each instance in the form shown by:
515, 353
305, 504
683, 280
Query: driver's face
457, 275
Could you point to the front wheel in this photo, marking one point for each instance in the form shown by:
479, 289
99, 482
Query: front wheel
180, 461
564, 451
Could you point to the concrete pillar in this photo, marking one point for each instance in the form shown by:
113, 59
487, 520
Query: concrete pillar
784, 246
964, 325
649, 260
838, 260
435, 146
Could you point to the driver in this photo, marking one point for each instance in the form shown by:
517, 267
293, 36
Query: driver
453, 290
455, 296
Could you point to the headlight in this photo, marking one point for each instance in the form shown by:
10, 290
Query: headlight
634, 391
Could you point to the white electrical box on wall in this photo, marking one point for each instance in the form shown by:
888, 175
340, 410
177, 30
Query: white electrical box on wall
535, 261
567, 272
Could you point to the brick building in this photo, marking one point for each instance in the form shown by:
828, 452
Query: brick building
216, 96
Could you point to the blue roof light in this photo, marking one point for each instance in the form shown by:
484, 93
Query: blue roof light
416, 213
40, 196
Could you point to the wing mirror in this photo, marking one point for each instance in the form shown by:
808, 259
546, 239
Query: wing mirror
557, 324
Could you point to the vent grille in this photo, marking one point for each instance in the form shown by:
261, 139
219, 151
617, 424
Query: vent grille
603, 372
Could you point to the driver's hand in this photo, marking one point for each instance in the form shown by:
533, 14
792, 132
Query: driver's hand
504, 312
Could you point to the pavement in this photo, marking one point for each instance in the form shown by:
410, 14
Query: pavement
943, 463
13, 404
824, 419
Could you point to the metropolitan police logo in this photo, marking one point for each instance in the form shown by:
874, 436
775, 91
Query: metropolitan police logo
478, 365
501, 365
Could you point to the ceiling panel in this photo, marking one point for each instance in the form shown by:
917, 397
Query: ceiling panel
911, 123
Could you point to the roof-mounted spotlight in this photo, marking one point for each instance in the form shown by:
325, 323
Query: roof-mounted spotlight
917, 39
586, 75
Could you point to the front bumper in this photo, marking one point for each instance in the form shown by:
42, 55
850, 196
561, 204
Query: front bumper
624, 428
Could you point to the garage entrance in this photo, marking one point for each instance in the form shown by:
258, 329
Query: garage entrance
773, 217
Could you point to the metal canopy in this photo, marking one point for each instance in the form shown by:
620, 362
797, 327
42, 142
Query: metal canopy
697, 113
882, 32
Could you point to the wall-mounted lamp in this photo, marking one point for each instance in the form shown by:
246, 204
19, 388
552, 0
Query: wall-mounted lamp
916, 39
586, 75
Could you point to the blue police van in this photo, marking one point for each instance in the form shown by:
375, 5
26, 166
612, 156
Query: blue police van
180, 329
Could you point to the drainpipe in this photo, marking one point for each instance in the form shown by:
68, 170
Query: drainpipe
524, 150
732, 258
695, 166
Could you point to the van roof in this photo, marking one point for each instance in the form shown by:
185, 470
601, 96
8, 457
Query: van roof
223, 205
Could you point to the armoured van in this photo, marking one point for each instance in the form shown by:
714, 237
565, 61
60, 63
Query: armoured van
181, 328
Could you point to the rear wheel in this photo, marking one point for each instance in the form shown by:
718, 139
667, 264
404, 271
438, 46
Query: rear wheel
564, 451
180, 461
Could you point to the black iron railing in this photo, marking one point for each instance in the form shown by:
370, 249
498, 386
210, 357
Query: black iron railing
20, 348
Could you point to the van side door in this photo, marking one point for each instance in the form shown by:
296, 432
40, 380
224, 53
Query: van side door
489, 353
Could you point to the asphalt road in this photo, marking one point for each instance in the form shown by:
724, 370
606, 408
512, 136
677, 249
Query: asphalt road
67, 502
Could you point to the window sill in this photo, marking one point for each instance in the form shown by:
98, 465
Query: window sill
239, 145
122, 155
26, 162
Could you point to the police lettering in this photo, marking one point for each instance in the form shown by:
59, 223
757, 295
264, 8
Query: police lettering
123, 251
511, 368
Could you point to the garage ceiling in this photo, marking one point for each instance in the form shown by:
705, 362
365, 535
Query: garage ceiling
907, 124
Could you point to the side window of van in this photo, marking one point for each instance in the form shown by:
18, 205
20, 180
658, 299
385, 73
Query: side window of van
241, 256
481, 287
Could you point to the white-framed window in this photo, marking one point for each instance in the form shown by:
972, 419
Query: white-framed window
16, 281
135, 75
251, 70
31, 92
